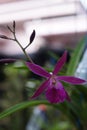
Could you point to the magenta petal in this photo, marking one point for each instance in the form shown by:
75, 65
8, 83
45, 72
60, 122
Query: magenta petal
55, 95
71, 79
60, 63
40, 89
37, 70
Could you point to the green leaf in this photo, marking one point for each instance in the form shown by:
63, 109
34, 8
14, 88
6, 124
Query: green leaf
75, 57
23, 105
19, 106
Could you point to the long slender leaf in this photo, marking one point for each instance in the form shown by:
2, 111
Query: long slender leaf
76, 57
20, 106
26, 104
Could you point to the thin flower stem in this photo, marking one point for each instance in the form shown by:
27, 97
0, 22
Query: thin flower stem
26, 46
16, 40
10, 29
23, 49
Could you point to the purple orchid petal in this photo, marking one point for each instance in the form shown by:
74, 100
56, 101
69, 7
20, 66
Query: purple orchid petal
56, 93
40, 89
71, 79
60, 63
3, 61
37, 70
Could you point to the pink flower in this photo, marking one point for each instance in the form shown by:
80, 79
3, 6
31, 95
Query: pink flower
54, 90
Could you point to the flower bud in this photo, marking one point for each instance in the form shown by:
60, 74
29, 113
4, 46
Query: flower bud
32, 36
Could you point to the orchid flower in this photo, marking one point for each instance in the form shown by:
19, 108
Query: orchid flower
54, 90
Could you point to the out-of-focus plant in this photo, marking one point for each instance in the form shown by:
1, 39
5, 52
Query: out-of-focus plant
75, 110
